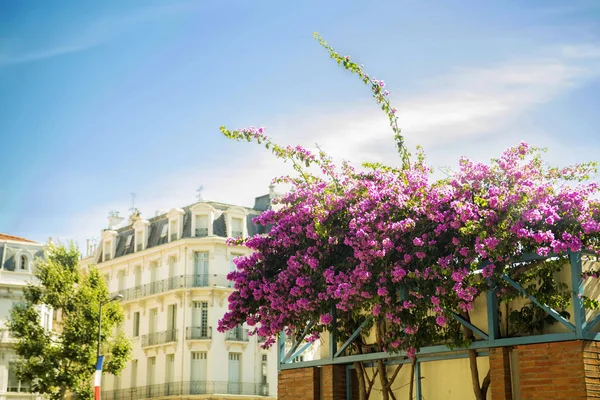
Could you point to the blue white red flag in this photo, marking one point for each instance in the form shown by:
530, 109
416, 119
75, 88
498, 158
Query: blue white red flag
98, 377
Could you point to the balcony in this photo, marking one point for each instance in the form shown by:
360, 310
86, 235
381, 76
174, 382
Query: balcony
189, 388
201, 232
237, 335
198, 332
174, 283
156, 338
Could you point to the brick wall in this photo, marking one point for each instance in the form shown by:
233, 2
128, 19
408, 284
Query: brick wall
560, 370
500, 387
591, 366
333, 382
299, 384
552, 371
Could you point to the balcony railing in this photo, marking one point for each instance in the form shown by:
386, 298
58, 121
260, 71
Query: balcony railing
237, 334
237, 234
198, 332
173, 236
187, 389
156, 338
200, 232
173, 283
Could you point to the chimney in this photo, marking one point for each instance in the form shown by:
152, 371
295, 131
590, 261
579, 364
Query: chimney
271, 191
114, 220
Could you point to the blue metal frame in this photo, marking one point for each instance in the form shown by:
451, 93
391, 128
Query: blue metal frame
580, 329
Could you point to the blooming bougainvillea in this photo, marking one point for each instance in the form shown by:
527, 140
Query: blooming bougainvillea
395, 249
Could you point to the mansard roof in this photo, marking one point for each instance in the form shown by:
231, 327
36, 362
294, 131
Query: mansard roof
156, 226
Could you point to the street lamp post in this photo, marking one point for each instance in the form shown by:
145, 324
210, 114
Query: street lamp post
100, 359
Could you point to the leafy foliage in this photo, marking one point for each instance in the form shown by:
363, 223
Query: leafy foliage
63, 360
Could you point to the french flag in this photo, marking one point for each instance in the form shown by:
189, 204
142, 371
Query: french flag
98, 377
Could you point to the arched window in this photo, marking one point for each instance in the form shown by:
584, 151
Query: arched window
23, 262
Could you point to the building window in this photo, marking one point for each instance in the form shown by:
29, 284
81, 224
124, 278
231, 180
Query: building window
128, 242
164, 231
298, 359
237, 227
106, 254
263, 370
14, 384
136, 324
201, 225
138, 241
174, 233
23, 263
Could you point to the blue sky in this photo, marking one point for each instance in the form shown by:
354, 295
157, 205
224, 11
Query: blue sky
101, 99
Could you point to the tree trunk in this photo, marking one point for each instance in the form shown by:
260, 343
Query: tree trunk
383, 379
362, 386
468, 333
412, 378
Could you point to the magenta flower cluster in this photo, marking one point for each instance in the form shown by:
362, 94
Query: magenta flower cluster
394, 245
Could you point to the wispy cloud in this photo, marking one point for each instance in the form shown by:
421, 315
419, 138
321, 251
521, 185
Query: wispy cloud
92, 34
457, 114
469, 103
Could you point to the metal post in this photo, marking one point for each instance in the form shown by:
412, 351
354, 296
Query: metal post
492, 315
577, 290
418, 380
99, 329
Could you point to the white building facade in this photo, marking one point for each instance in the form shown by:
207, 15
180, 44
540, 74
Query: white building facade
17, 256
172, 272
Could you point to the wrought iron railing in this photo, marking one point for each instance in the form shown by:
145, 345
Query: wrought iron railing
200, 232
198, 332
237, 234
187, 389
173, 236
237, 334
174, 283
155, 338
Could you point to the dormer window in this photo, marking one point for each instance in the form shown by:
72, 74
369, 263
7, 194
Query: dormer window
138, 241
107, 251
142, 232
174, 233
128, 242
235, 222
201, 225
164, 231
237, 227
23, 263
175, 216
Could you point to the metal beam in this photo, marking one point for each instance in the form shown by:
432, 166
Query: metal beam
332, 338
492, 315
577, 293
469, 325
553, 313
439, 349
590, 325
352, 337
281, 347
297, 353
418, 391
297, 342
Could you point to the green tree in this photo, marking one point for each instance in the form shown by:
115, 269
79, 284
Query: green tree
63, 361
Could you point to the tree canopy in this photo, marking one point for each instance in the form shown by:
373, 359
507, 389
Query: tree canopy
63, 360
